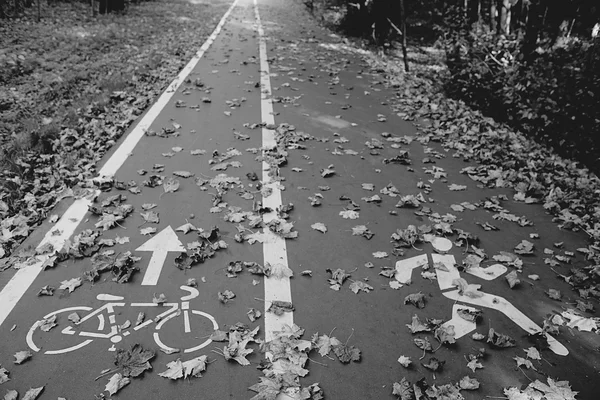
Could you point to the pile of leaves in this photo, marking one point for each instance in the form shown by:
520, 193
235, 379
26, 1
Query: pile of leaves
71, 99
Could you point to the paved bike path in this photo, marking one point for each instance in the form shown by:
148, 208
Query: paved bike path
335, 101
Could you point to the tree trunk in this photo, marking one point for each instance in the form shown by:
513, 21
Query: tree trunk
493, 15
532, 31
504, 17
474, 11
403, 27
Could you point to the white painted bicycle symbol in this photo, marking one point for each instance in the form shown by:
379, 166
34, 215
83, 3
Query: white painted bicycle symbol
116, 333
449, 274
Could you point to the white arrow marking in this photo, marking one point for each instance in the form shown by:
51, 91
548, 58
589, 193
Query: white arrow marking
159, 245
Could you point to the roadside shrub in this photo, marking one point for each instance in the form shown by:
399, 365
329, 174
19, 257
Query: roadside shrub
554, 97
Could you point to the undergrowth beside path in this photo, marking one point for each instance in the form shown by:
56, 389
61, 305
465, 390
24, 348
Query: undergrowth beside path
71, 85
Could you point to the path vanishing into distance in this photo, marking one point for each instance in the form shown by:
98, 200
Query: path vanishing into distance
272, 223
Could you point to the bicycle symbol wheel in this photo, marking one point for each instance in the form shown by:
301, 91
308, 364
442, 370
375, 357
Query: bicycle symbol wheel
82, 342
187, 329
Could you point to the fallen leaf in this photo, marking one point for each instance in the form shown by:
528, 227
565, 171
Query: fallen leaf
346, 353
525, 247
151, 217
33, 393
11, 395
135, 361
512, 279
171, 185
434, 364
183, 174
177, 369
253, 314
455, 187
416, 299
225, 296
147, 231
48, 323
404, 390
116, 383
71, 284
349, 214
324, 344
107, 221
500, 340
318, 226
380, 254
417, 326
357, 286
267, 389
474, 365
3, 375
533, 353
445, 334
468, 383
160, 299
522, 362
405, 361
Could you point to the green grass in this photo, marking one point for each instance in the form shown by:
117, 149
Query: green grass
58, 76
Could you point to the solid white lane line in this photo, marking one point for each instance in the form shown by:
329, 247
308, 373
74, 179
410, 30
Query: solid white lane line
274, 248
22, 280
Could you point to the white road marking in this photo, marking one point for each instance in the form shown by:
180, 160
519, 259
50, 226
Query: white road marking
160, 245
22, 280
274, 248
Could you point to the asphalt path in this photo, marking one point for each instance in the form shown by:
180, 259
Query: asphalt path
335, 110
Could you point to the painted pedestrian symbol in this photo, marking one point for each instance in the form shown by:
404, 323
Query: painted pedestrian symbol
449, 274
115, 334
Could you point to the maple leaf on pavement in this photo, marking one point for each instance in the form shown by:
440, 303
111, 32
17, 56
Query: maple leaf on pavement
177, 369
148, 231
533, 353
416, 299
116, 383
524, 362
185, 228
170, 185
22, 356
434, 364
346, 353
468, 383
324, 344
405, 361
417, 326
403, 390
525, 247
135, 361
349, 214
319, 226
107, 221
512, 279
71, 284
357, 286
150, 216
267, 388
4, 375
236, 350
474, 364
445, 334
500, 340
